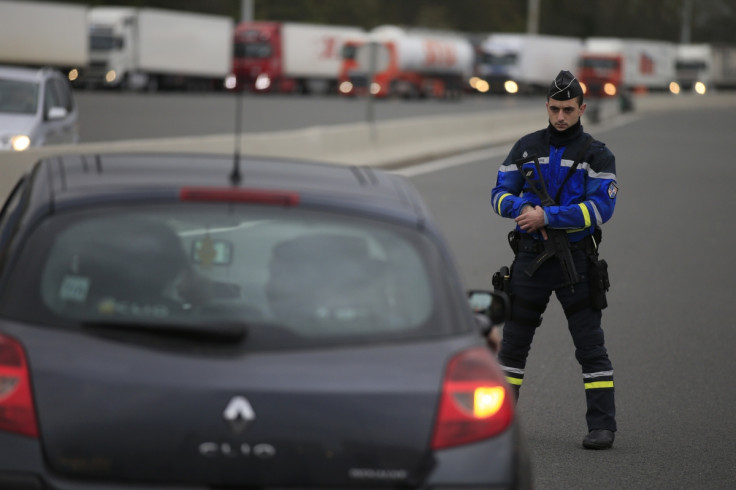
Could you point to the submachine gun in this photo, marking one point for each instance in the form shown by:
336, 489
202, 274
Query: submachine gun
556, 244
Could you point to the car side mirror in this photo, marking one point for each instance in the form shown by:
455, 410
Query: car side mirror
56, 113
493, 304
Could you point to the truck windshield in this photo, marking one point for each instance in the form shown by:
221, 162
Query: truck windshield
101, 42
102, 38
252, 50
691, 65
18, 97
349, 51
503, 59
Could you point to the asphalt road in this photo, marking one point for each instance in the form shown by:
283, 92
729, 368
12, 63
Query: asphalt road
671, 321
113, 116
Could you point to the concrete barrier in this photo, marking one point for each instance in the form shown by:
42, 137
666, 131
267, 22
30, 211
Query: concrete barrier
387, 144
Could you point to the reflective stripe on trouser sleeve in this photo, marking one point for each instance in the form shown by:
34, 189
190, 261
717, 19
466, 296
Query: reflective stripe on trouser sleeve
514, 376
603, 379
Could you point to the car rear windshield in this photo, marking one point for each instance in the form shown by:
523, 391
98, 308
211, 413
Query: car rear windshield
303, 276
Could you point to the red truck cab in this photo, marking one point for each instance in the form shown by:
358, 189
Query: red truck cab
600, 75
257, 58
351, 80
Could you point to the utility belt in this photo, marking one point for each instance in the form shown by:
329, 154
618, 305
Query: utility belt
523, 242
597, 274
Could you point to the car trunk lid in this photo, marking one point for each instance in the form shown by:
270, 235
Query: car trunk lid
337, 416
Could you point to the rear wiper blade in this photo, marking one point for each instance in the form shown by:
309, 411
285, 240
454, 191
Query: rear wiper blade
208, 331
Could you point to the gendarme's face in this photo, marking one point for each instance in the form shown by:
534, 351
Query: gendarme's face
564, 113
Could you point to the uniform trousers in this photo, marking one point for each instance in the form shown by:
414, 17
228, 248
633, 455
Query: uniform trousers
529, 298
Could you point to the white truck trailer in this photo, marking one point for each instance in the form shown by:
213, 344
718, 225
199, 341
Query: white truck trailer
705, 67
723, 72
525, 63
36, 34
152, 49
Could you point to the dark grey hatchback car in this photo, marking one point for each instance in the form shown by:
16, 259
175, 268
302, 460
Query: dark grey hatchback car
177, 321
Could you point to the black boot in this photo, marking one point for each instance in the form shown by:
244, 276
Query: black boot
598, 439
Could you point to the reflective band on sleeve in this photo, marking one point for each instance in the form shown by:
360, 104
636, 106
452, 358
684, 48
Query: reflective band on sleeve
517, 381
598, 384
586, 214
500, 200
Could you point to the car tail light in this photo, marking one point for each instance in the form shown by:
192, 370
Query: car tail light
17, 412
475, 403
256, 196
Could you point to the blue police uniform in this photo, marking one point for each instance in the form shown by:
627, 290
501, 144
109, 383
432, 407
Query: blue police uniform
586, 198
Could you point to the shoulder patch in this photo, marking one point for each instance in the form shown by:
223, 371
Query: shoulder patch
612, 190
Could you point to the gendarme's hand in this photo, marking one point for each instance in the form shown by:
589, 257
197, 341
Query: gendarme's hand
531, 219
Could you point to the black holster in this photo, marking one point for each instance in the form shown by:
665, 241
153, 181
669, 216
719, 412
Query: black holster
514, 238
599, 282
502, 280
598, 274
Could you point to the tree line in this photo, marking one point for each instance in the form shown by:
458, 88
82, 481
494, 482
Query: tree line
705, 21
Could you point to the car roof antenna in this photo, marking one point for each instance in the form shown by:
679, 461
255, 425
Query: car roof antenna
235, 175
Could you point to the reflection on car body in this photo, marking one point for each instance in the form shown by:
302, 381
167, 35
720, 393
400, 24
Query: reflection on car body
161, 324
37, 108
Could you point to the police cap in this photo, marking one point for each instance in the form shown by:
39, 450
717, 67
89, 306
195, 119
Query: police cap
565, 87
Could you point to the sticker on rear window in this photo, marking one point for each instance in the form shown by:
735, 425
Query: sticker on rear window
208, 252
74, 288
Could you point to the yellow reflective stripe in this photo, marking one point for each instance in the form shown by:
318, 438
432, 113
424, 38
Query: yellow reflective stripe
514, 381
500, 199
598, 384
586, 214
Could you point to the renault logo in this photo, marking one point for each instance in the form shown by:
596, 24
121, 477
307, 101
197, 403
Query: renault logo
239, 414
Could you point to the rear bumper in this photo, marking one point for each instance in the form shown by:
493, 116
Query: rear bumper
499, 463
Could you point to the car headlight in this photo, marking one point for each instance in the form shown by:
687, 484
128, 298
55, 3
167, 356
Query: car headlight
20, 142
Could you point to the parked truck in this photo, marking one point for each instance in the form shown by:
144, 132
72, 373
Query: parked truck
705, 67
694, 68
410, 64
153, 49
289, 57
618, 67
37, 34
524, 63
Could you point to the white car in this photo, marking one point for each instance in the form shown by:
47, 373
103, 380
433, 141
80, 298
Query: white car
37, 108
